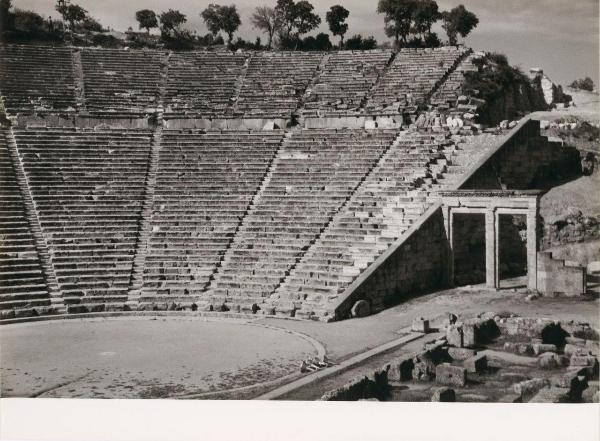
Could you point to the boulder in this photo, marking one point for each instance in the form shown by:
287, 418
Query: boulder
450, 375
444, 395
476, 364
360, 309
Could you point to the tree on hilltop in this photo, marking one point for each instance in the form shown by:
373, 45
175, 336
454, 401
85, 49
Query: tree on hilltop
424, 14
458, 21
296, 19
147, 19
305, 20
267, 20
336, 18
70, 12
171, 21
222, 18
398, 18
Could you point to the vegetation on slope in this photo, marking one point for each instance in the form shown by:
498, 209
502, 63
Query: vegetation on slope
505, 91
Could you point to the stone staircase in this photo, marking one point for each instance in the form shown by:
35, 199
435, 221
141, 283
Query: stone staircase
379, 212
44, 253
145, 222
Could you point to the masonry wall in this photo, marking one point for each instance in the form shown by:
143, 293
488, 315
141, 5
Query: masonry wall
554, 278
526, 161
415, 265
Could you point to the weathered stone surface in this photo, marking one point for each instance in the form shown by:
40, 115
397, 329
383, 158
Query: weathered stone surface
444, 395
451, 375
461, 353
361, 309
476, 364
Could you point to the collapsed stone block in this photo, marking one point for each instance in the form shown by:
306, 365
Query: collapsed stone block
539, 348
476, 364
529, 388
450, 375
444, 395
419, 324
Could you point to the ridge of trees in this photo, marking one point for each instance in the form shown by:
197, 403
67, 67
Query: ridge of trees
408, 23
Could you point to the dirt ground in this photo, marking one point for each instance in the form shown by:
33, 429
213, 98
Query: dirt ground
143, 358
171, 357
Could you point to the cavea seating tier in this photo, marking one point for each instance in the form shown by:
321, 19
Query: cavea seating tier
116, 80
202, 84
344, 81
88, 187
36, 79
204, 186
411, 78
22, 283
312, 176
214, 84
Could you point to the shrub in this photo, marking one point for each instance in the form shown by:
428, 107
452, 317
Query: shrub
583, 84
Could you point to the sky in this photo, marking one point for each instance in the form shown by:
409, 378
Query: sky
560, 36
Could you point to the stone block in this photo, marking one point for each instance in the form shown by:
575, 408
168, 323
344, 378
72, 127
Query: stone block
539, 348
444, 395
401, 369
529, 388
419, 324
461, 353
476, 364
451, 375
454, 335
469, 335
518, 348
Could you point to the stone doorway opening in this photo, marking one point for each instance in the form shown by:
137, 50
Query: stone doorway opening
512, 246
469, 248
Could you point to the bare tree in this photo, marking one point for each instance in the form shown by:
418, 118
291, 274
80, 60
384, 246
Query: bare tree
267, 20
